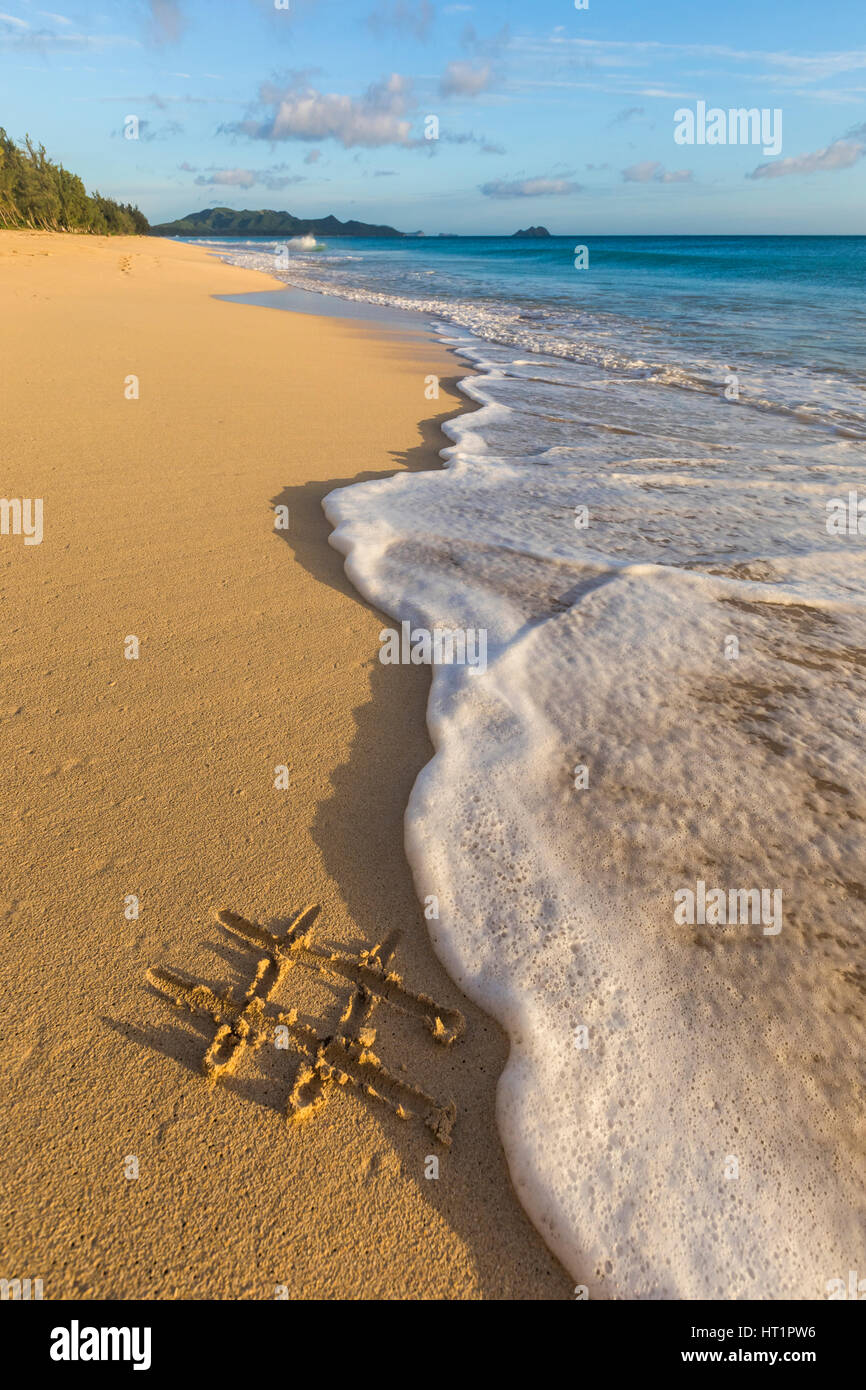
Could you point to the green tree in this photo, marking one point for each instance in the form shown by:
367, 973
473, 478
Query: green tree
36, 192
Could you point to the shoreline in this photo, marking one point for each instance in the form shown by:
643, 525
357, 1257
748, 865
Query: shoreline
162, 788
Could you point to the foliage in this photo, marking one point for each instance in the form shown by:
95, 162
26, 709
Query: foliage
36, 192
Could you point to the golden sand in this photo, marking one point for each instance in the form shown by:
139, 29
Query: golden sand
154, 778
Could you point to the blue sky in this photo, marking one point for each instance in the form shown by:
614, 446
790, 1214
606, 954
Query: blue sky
547, 114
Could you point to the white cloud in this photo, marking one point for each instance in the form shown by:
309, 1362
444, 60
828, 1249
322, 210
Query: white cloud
231, 178
628, 53
651, 171
273, 178
529, 188
621, 65
841, 154
302, 113
462, 79
17, 35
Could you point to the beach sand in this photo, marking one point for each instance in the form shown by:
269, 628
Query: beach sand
155, 777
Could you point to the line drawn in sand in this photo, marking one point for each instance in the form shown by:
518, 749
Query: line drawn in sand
342, 1058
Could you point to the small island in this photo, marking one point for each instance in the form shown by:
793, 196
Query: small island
533, 232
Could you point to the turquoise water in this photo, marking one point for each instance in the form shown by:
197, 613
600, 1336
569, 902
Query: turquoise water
786, 314
795, 301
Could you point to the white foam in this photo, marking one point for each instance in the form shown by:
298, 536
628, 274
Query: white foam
557, 338
607, 648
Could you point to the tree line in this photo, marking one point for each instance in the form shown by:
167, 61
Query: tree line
36, 192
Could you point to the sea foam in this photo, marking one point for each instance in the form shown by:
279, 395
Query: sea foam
682, 1108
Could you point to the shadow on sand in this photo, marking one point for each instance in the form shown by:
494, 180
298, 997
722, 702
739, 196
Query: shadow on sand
510, 1258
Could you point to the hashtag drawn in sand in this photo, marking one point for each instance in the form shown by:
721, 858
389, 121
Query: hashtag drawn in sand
342, 1058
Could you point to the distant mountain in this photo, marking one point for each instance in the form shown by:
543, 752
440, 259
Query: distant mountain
228, 222
534, 231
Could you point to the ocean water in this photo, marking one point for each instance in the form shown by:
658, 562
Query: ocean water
645, 513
